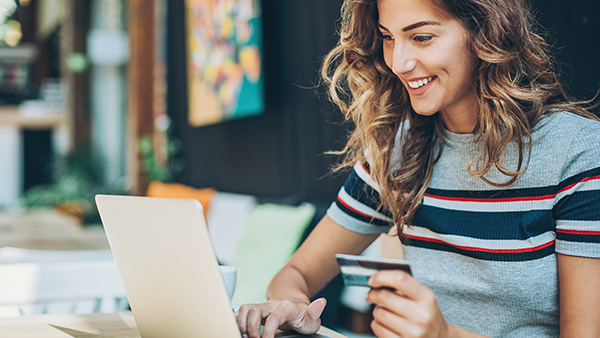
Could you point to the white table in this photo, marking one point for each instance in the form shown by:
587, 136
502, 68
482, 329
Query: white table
110, 325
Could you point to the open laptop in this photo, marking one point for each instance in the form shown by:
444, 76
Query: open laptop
169, 269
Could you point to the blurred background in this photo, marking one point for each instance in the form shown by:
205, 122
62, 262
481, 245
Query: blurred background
107, 96
88, 88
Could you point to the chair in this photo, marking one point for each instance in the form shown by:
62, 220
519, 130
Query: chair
50, 282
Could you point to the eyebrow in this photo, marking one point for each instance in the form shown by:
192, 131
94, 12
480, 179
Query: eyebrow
414, 25
420, 24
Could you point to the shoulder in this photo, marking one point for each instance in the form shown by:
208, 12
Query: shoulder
567, 125
565, 131
569, 142
578, 139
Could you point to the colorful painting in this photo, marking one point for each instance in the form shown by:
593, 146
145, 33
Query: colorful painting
224, 60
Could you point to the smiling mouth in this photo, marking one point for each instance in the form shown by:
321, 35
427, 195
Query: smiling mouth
421, 82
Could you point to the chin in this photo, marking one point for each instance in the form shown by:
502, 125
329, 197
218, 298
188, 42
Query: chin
424, 107
425, 112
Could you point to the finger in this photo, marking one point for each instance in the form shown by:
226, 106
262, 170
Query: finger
315, 309
273, 322
401, 281
391, 300
242, 318
284, 311
399, 326
311, 320
255, 316
381, 331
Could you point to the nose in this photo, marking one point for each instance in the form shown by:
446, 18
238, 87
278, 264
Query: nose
404, 61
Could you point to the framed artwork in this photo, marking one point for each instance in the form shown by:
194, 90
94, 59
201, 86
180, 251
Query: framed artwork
224, 48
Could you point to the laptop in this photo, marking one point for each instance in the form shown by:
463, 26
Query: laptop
169, 268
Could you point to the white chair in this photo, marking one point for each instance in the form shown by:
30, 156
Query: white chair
47, 281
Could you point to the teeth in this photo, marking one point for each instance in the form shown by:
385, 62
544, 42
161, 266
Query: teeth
419, 83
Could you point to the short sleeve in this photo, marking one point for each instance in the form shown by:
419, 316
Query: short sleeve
577, 204
357, 206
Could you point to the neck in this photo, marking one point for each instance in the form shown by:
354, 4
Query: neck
461, 119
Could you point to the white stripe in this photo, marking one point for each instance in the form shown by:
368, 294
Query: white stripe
365, 176
490, 206
504, 206
354, 224
358, 270
578, 225
581, 186
356, 205
491, 244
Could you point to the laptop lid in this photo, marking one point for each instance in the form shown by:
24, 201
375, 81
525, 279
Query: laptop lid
168, 266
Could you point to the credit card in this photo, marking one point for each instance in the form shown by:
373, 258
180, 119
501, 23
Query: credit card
356, 270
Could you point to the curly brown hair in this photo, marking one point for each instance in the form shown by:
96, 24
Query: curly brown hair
515, 83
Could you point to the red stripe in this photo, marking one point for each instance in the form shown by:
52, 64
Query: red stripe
583, 180
470, 248
578, 232
511, 199
486, 200
352, 209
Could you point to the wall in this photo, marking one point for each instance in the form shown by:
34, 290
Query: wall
573, 30
280, 153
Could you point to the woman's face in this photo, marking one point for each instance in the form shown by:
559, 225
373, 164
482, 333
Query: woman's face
428, 51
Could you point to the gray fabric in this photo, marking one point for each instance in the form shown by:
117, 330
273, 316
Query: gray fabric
504, 298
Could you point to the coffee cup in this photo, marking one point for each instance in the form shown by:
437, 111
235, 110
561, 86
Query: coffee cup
229, 274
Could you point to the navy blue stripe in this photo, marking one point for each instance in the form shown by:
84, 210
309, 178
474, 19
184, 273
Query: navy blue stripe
579, 206
519, 225
578, 238
514, 193
578, 178
367, 167
488, 256
366, 219
363, 193
494, 194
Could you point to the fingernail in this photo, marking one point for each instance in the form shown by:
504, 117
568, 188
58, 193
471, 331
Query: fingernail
370, 281
244, 335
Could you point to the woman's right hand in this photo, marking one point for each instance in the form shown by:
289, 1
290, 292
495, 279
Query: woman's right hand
285, 314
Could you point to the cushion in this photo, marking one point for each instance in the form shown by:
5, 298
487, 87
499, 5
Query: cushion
226, 219
268, 240
178, 190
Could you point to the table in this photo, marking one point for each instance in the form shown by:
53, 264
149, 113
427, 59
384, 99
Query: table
108, 325
49, 230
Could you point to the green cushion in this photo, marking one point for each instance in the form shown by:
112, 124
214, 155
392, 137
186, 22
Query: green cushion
268, 240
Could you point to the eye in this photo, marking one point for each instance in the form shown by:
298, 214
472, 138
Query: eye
422, 38
384, 37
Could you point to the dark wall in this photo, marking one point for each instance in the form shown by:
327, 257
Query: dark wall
574, 30
279, 153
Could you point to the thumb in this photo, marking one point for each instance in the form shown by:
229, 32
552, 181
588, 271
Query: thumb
315, 309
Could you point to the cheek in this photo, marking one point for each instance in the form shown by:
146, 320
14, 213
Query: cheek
464, 61
465, 69
388, 57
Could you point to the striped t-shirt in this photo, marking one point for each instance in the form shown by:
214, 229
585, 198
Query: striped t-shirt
489, 253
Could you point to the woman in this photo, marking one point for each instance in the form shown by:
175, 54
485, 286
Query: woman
465, 141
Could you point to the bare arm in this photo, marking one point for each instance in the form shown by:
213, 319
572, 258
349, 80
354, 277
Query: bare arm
579, 282
314, 264
307, 272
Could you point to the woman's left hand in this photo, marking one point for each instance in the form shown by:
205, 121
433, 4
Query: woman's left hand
404, 307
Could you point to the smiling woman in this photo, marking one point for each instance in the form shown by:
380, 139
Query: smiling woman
466, 146
429, 53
